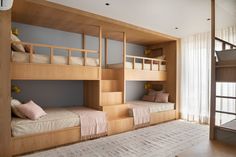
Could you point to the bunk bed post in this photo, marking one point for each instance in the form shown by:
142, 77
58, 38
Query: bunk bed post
5, 84
100, 46
124, 65
106, 52
31, 54
51, 55
213, 82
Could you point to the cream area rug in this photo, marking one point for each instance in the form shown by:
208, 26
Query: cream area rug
163, 140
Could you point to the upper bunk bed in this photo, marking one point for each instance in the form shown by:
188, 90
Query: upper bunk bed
36, 13
72, 64
225, 61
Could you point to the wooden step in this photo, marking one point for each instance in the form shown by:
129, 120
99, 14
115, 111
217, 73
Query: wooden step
111, 74
116, 111
111, 98
120, 125
110, 85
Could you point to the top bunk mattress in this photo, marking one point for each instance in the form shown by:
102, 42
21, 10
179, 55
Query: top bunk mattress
56, 119
138, 66
153, 106
22, 57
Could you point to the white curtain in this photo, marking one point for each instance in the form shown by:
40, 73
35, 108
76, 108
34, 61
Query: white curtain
195, 75
195, 78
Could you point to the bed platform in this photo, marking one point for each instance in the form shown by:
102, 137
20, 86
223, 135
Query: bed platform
159, 112
59, 127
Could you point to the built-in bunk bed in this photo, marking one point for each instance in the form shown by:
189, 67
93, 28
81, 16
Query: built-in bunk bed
224, 115
158, 70
35, 128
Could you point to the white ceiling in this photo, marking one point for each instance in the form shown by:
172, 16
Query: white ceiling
190, 16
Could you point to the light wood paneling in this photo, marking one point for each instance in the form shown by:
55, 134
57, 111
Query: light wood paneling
5, 84
116, 111
110, 85
120, 125
31, 71
47, 140
142, 75
111, 74
159, 117
92, 94
226, 74
111, 98
36, 13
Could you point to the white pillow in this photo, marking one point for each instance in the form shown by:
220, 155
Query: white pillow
16, 46
16, 112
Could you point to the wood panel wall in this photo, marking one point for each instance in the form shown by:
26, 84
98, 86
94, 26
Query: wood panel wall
170, 50
5, 84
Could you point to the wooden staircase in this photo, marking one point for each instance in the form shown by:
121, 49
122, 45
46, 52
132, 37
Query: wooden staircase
112, 102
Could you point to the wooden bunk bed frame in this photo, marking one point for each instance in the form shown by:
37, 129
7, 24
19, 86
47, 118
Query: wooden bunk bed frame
27, 11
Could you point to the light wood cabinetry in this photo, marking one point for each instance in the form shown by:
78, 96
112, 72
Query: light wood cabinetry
120, 125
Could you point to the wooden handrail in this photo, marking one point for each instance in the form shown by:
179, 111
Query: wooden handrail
146, 58
225, 43
55, 47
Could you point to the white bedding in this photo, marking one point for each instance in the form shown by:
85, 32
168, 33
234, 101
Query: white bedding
138, 66
153, 106
56, 119
45, 59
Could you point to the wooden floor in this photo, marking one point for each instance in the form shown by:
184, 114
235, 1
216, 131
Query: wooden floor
210, 149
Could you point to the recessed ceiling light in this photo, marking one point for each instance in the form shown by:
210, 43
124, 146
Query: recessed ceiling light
208, 19
176, 28
107, 4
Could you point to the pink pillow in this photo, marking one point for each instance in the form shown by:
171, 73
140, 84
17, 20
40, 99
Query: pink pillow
148, 98
162, 97
153, 92
31, 110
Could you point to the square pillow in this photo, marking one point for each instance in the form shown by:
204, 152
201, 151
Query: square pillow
15, 46
162, 97
153, 92
148, 98
15, 111
27, 49
31, 110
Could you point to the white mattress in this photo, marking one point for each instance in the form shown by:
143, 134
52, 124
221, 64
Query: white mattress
138, 66
56, 119
45, 59
153, 106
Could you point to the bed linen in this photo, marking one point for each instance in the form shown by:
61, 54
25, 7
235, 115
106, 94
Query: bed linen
93, 123
56, 119
22, 57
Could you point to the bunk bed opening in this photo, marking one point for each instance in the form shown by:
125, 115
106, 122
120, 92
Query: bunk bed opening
32, 61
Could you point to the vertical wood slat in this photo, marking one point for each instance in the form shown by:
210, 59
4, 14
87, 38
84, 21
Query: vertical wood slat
151, 64
143, 61
31, 54
134, 60
159, 65
51, 55
213, 81
69, 57
83, 43
106, 52
100, 46
5, 84
124, 65
85, 58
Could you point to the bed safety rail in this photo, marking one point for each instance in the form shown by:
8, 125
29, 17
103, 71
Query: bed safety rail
146, 60
52, 48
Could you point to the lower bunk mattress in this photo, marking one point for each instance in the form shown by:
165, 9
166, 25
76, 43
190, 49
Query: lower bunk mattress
56, 119
153, 106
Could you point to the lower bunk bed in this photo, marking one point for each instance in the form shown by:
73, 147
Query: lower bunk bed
59, 127
149, 113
